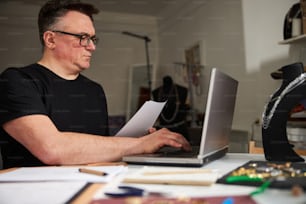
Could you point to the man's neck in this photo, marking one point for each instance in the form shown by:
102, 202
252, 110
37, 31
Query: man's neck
58, 69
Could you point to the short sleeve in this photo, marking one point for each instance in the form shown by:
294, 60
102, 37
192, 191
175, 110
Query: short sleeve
19, 95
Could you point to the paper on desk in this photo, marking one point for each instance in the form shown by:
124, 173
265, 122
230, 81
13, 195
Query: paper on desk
144, 119
173, 175
61, 173
39, 192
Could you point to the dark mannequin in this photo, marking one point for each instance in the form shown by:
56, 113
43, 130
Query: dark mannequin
174, 114
274, 134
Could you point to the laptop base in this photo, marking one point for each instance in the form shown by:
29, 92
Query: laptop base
173, 161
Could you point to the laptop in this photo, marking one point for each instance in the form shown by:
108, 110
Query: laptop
216, 128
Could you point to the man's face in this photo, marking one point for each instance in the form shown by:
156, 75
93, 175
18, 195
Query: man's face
68, 51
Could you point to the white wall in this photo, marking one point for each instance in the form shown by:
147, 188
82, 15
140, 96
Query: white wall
263, 29
238, 36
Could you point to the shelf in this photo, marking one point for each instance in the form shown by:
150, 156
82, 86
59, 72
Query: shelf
301, 114
296, 39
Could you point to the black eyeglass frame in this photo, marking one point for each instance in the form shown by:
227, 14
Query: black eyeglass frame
82, 37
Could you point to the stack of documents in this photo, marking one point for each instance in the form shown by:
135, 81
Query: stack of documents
173, 175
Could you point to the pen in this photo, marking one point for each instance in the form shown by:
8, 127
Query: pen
261, 188
93, 172
242, 178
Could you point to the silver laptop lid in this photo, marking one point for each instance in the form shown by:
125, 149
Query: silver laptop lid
219, 113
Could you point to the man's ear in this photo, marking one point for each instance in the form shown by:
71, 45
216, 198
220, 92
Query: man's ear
49, 39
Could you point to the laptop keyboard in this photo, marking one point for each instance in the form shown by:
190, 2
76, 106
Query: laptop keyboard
177, 152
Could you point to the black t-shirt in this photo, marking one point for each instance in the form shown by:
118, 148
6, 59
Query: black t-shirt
73, 105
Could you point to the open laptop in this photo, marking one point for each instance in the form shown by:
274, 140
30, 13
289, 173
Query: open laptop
216, 128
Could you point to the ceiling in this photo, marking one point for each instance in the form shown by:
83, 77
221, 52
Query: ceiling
141, 7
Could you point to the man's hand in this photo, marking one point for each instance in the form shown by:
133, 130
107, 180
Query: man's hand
159, 138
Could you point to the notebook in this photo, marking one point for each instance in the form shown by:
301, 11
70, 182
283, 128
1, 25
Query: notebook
216, 128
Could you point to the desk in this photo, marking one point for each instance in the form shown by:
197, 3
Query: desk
225, 165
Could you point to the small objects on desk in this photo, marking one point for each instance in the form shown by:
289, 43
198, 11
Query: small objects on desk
297, 190
267, 174
125, 191
128, 191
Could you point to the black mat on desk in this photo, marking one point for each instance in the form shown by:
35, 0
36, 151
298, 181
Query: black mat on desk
275, 183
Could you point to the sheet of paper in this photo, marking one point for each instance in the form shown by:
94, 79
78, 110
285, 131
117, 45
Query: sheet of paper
144, 119
39, 192
31, 174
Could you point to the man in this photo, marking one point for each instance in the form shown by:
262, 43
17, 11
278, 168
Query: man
51, 114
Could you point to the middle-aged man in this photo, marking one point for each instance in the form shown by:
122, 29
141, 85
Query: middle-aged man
50, 114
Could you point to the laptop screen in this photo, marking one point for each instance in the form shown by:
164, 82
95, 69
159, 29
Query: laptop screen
219, 112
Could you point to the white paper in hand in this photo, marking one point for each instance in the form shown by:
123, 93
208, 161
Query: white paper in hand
144, 119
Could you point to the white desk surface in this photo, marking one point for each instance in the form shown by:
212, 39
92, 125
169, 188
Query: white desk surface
11, 193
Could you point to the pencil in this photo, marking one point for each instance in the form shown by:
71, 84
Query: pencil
93, 172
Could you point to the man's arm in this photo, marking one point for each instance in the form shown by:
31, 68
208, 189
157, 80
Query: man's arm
40, 136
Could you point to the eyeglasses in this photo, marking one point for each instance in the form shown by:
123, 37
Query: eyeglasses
84, 38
